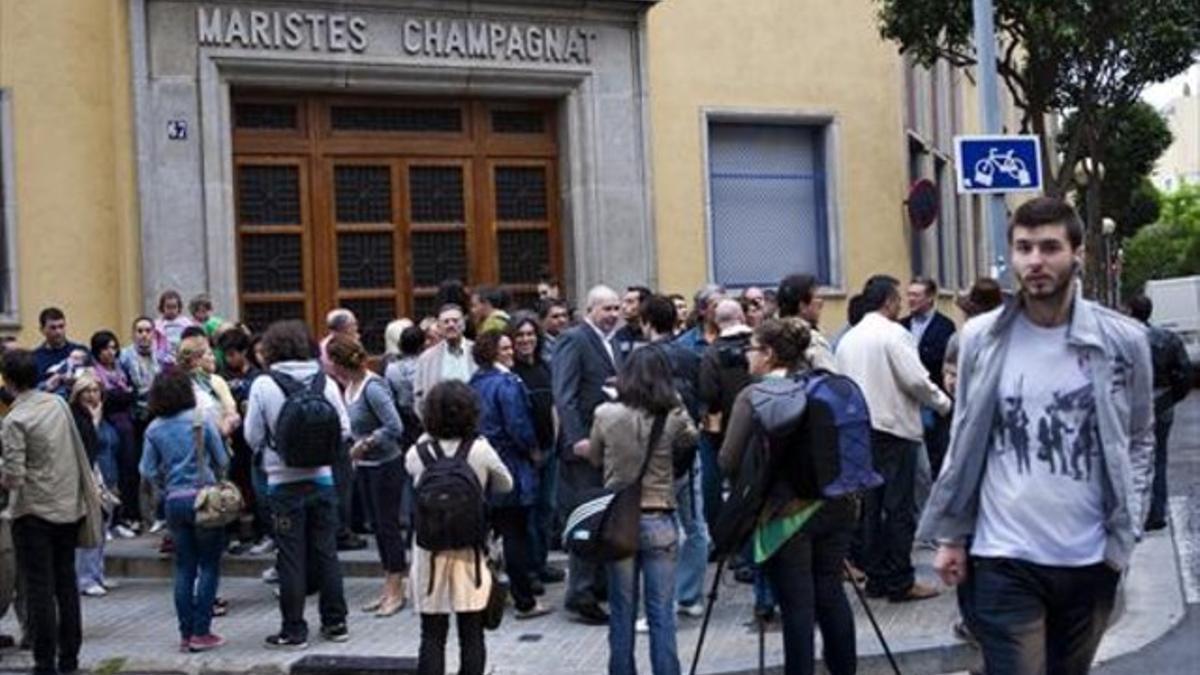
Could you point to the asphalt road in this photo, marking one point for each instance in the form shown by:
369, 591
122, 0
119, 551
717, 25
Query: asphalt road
1179, 650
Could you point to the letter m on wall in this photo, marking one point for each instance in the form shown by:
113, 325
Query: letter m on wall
208, 26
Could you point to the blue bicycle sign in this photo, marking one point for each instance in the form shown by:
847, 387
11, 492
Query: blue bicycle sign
998, 164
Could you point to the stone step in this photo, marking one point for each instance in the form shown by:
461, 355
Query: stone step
139, 557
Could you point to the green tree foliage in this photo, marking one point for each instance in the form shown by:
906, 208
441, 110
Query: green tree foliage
1058, 55
1054, 56
1137, 136
1168, 248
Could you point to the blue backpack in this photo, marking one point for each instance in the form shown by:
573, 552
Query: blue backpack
811, 439
836, 437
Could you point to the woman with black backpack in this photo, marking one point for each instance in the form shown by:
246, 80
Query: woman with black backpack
635, 439
448, 580
799, 540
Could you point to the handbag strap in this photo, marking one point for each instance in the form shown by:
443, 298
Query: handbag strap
198, 443
656, 431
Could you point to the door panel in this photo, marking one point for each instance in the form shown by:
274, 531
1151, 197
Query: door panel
370, 203
273, 260
438, 197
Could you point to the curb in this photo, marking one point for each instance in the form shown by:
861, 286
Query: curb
152, 564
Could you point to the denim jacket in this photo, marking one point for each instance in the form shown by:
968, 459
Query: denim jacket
1119, 361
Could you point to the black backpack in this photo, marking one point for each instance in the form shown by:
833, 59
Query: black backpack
451, 510
753, 483
308, 432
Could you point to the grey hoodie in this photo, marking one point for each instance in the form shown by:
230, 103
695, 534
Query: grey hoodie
263, 406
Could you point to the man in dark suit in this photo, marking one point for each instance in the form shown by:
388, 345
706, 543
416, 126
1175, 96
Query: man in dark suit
584, 366
932, 331
929, 327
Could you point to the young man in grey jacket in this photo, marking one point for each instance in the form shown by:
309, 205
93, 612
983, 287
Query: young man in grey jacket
304, 502
1043, 493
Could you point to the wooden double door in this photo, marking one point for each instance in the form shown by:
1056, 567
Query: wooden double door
370, 203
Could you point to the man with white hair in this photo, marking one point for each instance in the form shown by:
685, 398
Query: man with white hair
340, 320
584, 366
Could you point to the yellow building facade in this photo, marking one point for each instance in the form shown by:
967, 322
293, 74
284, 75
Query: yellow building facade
879, 122
67, 156
674, 143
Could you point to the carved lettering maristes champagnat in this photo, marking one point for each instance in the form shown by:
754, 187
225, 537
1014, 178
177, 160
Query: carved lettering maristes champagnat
465, 39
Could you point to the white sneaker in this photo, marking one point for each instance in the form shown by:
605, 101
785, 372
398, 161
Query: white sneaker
124, 532
157, 526
642, 626
694, 611
270, 576
110, 584
264, 547
94, 591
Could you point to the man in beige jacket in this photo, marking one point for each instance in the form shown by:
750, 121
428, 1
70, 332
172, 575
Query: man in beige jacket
449, 359
881, 357
42, 467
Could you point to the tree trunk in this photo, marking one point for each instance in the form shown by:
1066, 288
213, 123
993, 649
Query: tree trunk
1050, 182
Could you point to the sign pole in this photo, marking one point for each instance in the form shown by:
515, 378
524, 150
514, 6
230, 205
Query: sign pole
994, 214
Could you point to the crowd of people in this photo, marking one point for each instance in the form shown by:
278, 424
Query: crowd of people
1025, 445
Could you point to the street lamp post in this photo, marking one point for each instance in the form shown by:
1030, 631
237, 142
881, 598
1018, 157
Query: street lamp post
1108, 227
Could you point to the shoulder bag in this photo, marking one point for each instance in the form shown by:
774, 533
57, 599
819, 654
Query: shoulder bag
218, 504
605, 526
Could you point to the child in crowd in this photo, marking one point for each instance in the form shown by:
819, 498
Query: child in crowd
170, 324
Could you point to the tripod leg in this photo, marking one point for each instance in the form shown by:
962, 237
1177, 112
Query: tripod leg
874, 624
712, 600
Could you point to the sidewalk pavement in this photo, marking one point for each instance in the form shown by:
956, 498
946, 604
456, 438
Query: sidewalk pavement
133, 628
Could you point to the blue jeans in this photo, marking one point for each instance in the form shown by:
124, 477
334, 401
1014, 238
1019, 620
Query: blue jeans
541, 521
1158, 490
710, 477
306, 523
197, 555
693, 554
89, 566
658, 548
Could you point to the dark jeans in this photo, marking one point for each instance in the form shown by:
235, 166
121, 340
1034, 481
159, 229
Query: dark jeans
937, 441
1032, 619
129, 480
542, 528
1158, 491
263, 523
710, 478
343, 481
512, 524
385, 490
806, 575
306, 533
197, 567
888, 523
46, 558
431, 659
586, 584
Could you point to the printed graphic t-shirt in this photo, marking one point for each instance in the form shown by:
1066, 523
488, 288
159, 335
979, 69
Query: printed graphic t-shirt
1042, 495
